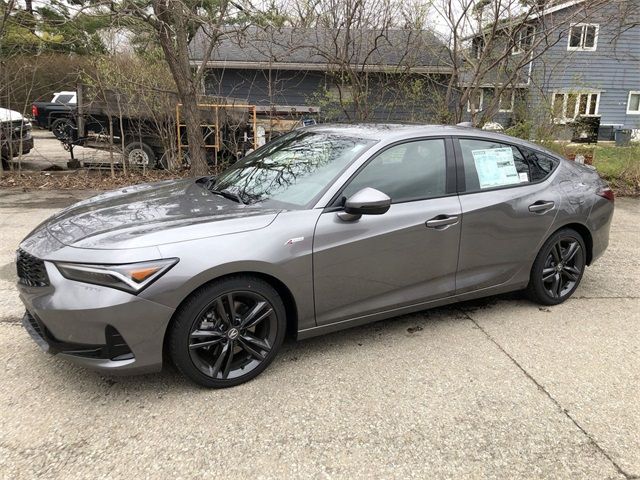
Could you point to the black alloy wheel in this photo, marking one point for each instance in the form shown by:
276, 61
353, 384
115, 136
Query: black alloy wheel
558, 268
563, 267
63, 129
232, 335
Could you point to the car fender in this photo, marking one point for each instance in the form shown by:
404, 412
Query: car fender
281, 251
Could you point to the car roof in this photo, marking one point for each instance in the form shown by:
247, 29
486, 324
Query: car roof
399, 131
379, 131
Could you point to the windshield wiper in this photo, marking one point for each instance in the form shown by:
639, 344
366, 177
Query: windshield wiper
227, 194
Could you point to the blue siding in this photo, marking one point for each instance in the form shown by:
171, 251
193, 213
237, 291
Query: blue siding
613, 69
264, 87
302, 88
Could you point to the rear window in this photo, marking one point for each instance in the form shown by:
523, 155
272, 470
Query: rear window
489, 164
540, 164
64, 98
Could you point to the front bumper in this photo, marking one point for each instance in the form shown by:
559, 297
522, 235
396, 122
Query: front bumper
17, 146
96, 327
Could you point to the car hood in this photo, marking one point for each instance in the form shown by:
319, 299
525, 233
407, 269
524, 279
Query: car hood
9, 115
153, 214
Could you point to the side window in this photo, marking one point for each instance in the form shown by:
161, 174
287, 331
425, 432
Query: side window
490, 164
540, 164
409, 171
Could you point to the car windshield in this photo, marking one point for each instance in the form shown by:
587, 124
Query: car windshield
291, 170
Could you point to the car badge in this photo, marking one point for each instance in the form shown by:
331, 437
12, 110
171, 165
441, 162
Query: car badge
291, 241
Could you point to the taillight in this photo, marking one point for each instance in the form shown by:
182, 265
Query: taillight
606, 192
34, 111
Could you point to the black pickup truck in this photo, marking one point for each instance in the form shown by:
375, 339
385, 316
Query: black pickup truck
56, 115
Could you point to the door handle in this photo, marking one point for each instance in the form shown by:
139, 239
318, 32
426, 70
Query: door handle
541, 206
442, 221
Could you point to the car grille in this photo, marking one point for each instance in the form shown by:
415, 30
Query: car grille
31, 270
15, 130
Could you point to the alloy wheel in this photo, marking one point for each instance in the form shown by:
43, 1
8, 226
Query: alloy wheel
62, 131
563, 267
233, 335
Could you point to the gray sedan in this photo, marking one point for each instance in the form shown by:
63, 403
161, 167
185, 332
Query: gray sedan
323, 229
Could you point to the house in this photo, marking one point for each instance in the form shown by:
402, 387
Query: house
364, 75
587, 69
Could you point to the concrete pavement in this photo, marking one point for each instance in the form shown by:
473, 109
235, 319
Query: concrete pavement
497, 388
48, 152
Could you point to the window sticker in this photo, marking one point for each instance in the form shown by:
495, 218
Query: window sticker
524, 177
495, 167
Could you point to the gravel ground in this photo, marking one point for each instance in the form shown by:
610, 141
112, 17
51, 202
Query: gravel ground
497, 388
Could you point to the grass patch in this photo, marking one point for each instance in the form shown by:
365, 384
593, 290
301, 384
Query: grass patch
620, 166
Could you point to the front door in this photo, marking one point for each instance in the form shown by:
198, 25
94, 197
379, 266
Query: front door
401, 258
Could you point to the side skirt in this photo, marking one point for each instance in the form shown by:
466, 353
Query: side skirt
374, 317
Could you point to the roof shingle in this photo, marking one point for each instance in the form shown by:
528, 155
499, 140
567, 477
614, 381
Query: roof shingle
323, 49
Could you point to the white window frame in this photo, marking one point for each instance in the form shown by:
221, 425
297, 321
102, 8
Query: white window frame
480, 47
511, 104
517, 50
629, 111
565, 118
480, 106
581, 47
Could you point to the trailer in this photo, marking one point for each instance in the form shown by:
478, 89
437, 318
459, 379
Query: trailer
151, 133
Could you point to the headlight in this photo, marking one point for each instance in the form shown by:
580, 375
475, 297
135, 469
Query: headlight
130, 277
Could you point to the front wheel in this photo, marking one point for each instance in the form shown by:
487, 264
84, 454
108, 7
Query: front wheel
228, 332
558, 268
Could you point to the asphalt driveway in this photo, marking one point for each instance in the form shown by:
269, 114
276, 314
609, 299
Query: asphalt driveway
497, 388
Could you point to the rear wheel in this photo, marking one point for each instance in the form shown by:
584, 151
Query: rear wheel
558, 268
228, 332
63, 129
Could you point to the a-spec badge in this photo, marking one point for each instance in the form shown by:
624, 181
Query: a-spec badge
291, 241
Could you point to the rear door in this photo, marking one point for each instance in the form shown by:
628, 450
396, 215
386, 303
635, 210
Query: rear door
508, 207
404, 257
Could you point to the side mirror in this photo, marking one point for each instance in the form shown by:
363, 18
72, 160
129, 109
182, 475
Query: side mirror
367, 201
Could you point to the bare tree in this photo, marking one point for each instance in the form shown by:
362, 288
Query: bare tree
377, 56
174, 24
492, 43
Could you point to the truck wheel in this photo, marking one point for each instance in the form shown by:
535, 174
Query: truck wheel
139, 154
63, 129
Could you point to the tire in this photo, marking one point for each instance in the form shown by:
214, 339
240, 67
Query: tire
558, 268
232, 352
63, 129
139, 154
